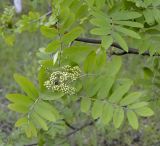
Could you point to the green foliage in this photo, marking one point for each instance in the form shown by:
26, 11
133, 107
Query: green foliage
33, 107
81, 80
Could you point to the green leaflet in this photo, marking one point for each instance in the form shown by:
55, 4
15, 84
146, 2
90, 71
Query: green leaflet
19, 99
107, 113
100, 61
107, 41
64, 14
113, 66
132, 118
118, 117
18, 108
92, 86
131, 98
106, 84
82, 11
26, 85
100, 31
47, 63
21, 121
68, 22
49, 32
149, 17
138, 105
72, 35
75, 6
49, 107
144, 111
45, 113
120, 41
90, 62
42, 77
77, 53
97, 109
127, 32
100, 22
125, 15
53, 46
129, 23
85, 104
30, 130
117, 95
38, 120
51, 95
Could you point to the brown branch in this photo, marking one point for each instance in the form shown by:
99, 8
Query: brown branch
33, 144
130, 50
80, 128
69, 125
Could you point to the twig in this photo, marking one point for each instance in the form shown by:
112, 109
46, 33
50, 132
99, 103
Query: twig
80, 128
33, 144
69, 125
130, 50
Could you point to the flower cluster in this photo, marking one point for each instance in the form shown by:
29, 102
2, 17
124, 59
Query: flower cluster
61, 80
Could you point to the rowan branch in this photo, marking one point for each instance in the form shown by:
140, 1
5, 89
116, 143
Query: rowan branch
80, 128
33, 144
130, 50
69, 125
98, 41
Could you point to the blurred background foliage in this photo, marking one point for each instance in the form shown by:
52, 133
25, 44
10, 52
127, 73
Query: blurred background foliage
21, 57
